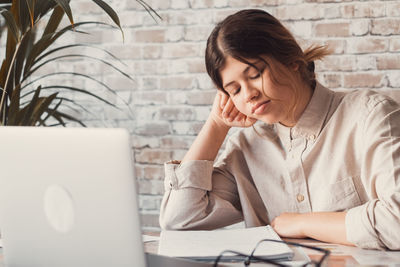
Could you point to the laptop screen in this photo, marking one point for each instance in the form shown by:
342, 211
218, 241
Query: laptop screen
68, 198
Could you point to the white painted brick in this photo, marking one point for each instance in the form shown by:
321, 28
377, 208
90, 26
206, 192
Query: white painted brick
238, 3
204, 82
394, 79
179, 4
197, 33
220, 3
187, 128
177, 97
359, 27
302, 29
366, 62
174, 34
395, 44
178, 66
178, 154
149, 202
202, 112
331, 11
145, 141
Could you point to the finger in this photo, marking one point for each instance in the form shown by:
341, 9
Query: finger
223, 99
228, 108
240, 117
233, 114
250, 121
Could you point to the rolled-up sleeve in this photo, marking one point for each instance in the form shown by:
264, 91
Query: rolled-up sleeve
198, 196
376, 223
192, 174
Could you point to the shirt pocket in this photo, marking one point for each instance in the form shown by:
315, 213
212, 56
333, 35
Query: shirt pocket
340, 195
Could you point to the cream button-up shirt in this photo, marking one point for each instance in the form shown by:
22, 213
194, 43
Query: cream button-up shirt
342, 155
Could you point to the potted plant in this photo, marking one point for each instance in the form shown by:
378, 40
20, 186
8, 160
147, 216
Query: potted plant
26, 51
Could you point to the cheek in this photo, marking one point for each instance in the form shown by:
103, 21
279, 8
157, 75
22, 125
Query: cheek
240, 105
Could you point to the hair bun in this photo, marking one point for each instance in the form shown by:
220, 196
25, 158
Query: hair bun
311, 66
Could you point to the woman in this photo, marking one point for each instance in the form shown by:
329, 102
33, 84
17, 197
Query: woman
319, 163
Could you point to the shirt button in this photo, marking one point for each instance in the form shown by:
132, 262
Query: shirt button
312, 137
300, 197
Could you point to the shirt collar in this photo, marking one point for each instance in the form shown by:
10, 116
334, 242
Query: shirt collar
312, 120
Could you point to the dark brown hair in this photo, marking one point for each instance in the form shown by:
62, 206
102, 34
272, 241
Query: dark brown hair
251, 34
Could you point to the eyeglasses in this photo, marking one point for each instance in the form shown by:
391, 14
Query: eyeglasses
247, 259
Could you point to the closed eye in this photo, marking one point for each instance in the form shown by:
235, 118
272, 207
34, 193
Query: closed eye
236, 91
257, 75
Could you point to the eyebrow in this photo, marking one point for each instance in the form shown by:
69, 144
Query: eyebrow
244, 72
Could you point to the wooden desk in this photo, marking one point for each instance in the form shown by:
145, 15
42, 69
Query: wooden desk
340, 255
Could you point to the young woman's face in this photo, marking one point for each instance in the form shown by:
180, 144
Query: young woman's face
253, 92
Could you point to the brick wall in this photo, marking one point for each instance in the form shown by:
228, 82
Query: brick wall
171, 94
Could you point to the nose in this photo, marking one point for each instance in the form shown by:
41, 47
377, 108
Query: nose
251, 93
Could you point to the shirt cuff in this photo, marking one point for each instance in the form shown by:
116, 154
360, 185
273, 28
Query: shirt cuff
194, 174
359, 230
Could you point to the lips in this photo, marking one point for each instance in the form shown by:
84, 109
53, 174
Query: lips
259, 108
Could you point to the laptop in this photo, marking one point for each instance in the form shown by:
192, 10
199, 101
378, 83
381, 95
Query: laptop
68, 198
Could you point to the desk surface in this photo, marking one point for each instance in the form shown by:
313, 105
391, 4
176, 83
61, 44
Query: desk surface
340, 255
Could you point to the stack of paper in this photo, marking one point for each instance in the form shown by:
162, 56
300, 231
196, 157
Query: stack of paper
207, 245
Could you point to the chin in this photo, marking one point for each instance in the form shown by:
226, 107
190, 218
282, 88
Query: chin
268, 119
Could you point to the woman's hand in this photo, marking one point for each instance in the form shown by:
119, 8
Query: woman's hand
314, 225
289, 225
224, 113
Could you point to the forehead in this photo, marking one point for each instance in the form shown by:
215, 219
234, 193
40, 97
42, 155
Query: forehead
233, 67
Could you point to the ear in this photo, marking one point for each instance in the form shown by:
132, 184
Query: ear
295, 66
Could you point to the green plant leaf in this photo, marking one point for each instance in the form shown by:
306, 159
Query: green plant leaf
26, 11
59, 115
11, 23
42, 7
50, 112
54, 21
149, 9
31, 9
64, 4
109, 89
24, 47
70, 73
27, 110
14, 106
78, 45
75, 104
113, 15
41, 107
3, 73
71, 88
43, 43
77, 55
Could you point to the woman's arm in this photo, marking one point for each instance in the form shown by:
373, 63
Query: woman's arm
223, 116
324, 226
375, 224
198, 195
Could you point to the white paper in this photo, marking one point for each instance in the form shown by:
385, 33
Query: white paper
150, 238
207, 244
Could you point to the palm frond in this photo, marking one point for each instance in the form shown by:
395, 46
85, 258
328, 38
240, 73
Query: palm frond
110, 13
20, 102
80, 56
11, 23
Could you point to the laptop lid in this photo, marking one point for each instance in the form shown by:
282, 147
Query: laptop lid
68, 198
